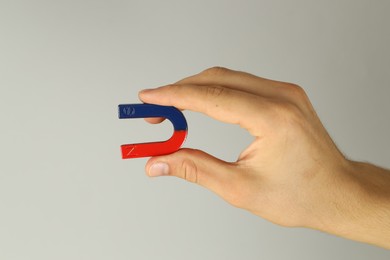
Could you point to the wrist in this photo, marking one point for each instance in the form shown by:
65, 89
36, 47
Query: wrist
359, 208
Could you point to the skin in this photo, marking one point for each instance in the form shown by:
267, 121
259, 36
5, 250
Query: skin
292, 174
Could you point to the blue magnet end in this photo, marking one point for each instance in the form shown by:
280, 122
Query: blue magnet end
149, 110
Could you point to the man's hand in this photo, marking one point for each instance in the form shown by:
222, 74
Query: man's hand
292, 174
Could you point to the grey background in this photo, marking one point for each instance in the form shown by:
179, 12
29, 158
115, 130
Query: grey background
66, 65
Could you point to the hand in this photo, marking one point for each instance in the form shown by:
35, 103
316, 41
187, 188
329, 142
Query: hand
292, 174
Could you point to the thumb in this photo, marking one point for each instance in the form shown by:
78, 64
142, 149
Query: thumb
194, 166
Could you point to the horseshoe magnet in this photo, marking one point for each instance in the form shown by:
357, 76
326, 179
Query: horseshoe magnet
129, 111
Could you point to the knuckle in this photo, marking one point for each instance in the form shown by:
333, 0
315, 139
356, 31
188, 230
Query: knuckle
213, 97
296, 92
215, 71
213, 92
296, 103
189, 171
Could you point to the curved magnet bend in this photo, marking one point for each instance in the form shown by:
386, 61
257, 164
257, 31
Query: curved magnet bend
154, 148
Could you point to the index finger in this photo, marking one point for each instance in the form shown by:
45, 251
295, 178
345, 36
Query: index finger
223, 104
237, 80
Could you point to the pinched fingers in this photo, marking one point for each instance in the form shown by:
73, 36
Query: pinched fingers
233, 97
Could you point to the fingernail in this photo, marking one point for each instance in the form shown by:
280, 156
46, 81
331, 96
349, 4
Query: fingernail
158, 169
